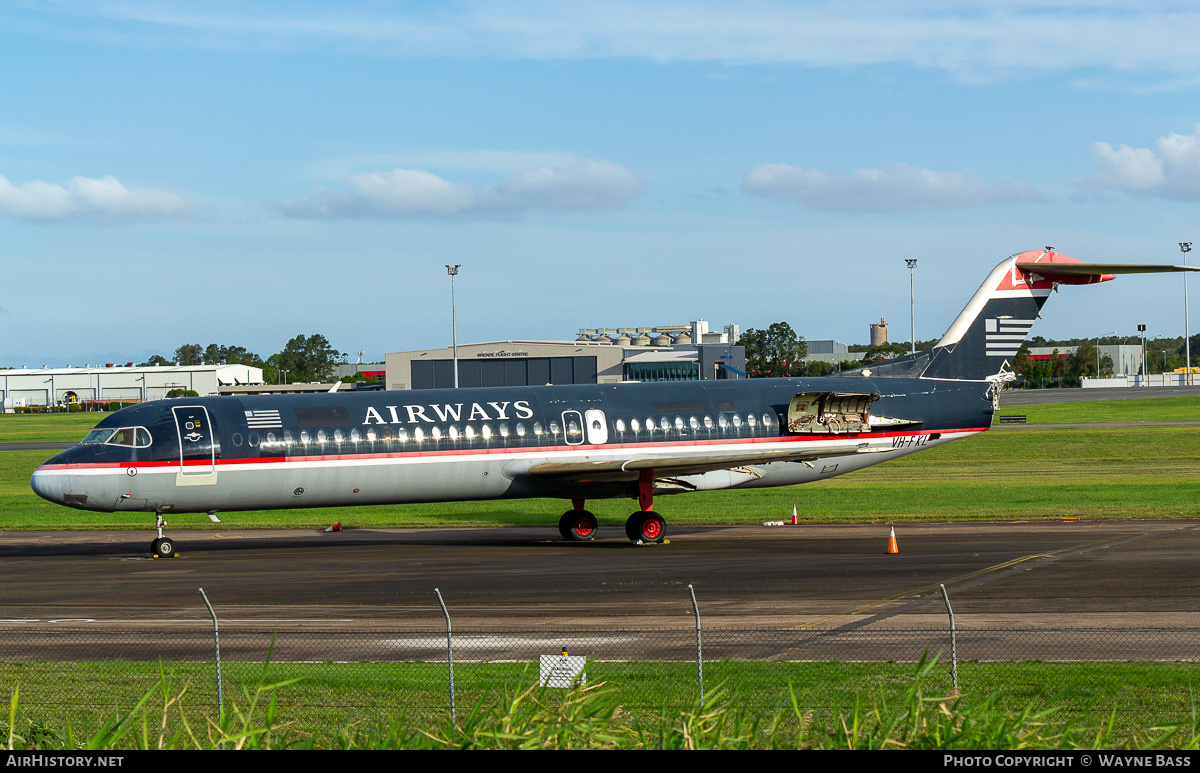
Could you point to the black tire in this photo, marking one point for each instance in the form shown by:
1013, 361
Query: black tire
633, 526
577, 526
163, 547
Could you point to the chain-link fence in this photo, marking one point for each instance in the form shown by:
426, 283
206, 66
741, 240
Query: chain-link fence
332, 678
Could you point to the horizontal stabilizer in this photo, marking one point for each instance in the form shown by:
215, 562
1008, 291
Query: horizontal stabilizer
1100, 269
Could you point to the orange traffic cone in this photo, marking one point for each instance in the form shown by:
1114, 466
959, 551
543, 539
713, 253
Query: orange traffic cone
795, 518
336, 527
892, 542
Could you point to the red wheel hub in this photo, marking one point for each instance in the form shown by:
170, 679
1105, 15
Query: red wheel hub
652, 528
583, 526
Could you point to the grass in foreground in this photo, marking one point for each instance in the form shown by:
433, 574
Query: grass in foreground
921, 716
312, 698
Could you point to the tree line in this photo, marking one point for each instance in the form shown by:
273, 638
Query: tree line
1163, 355
778, 351
304, 359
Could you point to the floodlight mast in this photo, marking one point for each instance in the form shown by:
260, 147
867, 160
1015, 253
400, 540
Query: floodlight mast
1145, 368
1185, 248
453, 272
912, 317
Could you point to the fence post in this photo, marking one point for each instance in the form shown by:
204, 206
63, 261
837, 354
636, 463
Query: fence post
217, 647
449, 652
699, 654
953, 641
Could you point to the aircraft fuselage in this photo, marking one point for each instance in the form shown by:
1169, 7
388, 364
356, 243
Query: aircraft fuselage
315, 450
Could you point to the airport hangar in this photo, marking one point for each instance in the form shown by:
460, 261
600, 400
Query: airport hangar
129, 382
590, 360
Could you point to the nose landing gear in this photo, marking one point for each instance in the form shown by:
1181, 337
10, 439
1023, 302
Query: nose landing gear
162, 547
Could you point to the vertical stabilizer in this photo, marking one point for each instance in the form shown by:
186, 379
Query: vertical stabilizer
984, 338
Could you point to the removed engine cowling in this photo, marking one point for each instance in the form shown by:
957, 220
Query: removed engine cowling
830, 413
838, 413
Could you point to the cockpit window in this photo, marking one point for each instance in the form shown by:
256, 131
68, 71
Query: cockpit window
97, 436
133, 437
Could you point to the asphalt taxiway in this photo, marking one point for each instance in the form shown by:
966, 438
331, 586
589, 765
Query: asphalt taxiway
1108, 573
1010, 397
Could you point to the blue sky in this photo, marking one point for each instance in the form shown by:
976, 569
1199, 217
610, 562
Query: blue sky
240, 173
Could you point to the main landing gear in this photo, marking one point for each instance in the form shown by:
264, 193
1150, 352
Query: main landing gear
162, 547
644, 527
577, 525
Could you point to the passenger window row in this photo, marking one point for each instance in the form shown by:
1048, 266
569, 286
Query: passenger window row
485, 432
694, 423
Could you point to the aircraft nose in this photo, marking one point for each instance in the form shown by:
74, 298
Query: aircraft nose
49, 484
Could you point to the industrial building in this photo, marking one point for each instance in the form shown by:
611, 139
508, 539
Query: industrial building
534, 363
1126, 359
129, 383
696, 332
829, 350
598, 356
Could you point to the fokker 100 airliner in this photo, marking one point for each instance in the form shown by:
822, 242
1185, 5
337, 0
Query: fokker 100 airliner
575, 442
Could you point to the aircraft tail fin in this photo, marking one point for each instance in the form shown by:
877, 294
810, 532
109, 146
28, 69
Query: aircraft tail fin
983, 340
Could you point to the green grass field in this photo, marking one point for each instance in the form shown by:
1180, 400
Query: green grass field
1132, 409
1087, 472
46, 427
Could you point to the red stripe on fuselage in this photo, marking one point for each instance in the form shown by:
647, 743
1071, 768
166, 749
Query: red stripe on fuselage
668, 445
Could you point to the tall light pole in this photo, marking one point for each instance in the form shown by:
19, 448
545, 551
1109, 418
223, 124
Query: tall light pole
1185, 248
912, 316
453, 272
1145, 368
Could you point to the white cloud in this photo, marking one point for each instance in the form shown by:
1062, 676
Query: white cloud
584, 184
495, 161
1170, 170
410, 191
489, 160
967, 37
104, 200
893, 188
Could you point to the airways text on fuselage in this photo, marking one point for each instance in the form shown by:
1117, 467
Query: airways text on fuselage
415, 414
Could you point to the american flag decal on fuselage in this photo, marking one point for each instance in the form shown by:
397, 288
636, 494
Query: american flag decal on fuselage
263, 420
1004, 336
